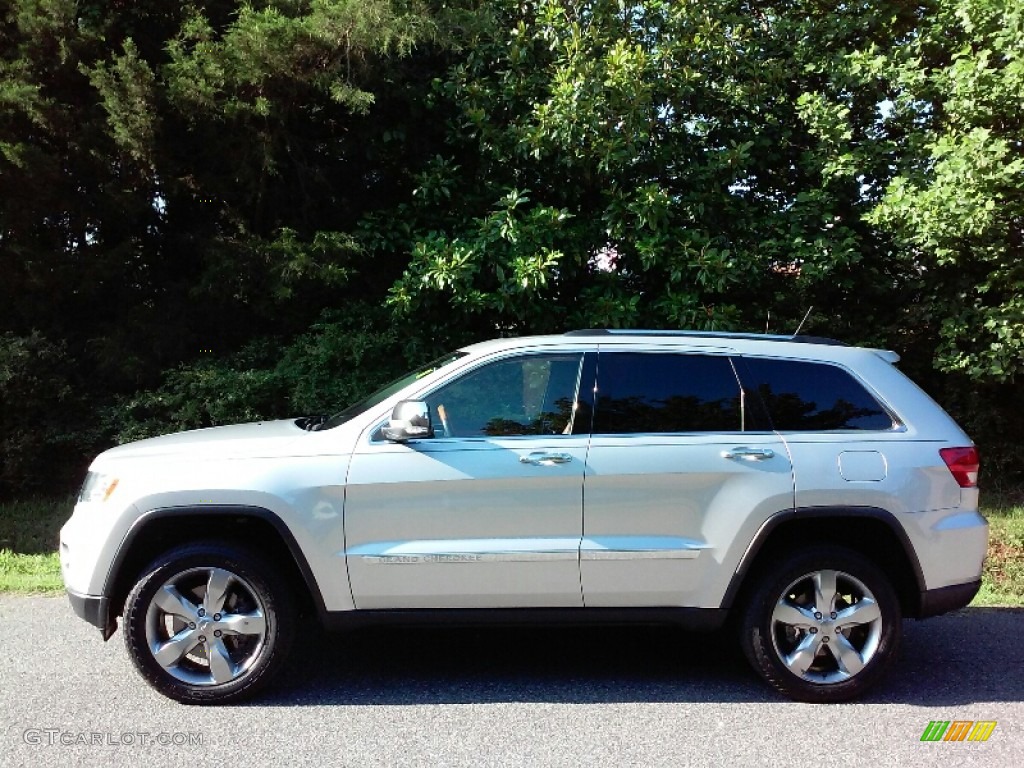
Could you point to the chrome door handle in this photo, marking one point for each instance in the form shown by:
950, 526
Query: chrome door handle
748, 454
544, 459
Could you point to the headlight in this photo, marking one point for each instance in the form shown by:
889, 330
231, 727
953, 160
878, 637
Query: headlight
97, 487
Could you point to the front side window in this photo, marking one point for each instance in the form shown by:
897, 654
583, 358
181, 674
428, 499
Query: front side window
814, 397
654, 393
529, 395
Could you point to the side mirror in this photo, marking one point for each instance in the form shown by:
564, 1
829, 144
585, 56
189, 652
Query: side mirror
410, 420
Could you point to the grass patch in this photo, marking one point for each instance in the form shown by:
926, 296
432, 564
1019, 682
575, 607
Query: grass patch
30, 574
29, 538
1002, 582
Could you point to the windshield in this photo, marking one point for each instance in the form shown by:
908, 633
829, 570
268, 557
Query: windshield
387, 391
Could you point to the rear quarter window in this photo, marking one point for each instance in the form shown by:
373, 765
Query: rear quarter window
814, 397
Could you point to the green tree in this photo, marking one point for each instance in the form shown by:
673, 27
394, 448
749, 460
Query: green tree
177, 180
941, 168
650, 163
217, 210
957, 201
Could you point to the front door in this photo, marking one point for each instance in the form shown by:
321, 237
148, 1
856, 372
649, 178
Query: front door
488, 512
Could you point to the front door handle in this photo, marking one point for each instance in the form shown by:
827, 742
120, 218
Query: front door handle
545, 459
746, 453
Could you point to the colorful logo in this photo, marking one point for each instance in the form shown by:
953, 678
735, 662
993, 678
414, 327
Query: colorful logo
958, 730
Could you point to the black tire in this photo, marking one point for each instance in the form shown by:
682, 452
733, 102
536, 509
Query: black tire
821, 660
196, 658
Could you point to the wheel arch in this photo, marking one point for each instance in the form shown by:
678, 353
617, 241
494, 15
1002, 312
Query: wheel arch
873, 532
163, 528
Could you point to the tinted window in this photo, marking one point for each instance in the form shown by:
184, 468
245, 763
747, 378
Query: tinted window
816, 397
666, 393
530, 395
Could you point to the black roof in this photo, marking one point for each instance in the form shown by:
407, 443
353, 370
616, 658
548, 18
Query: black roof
706, 334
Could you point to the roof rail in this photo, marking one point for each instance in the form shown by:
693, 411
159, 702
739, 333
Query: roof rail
706, 334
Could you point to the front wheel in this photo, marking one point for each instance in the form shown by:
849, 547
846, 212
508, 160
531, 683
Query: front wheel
208, 623
823, 625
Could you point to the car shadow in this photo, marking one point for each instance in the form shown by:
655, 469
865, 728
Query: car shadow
952, 660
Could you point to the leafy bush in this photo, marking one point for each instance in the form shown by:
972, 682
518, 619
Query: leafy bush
341, 359
992, 413
196, 395
32, 526
44, 428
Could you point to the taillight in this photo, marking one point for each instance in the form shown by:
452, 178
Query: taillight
963, 463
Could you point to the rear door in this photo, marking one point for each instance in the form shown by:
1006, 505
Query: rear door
679, 474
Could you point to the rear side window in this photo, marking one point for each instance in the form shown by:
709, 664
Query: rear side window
652, 392
814, 397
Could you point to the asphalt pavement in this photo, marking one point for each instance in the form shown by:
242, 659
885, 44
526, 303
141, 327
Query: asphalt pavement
636, 696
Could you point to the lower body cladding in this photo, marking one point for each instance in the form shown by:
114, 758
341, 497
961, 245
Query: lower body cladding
548, 572
94, 609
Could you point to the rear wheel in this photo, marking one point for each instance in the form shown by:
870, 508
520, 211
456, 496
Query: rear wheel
823, 625
208, 623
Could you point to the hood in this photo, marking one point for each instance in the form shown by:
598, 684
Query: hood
260, 439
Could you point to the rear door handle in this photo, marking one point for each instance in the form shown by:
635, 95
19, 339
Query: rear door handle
745, 453
544, 459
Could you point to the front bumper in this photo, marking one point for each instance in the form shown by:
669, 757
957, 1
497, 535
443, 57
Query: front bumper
935, 602
94, 609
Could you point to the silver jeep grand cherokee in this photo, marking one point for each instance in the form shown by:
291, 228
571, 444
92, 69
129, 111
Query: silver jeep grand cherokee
804, 488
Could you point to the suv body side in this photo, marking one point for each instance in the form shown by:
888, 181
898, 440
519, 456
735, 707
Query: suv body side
703, 534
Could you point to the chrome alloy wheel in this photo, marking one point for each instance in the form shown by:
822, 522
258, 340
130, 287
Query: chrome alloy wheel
826, 626
206, 626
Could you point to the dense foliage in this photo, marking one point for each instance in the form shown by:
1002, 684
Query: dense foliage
217, 211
